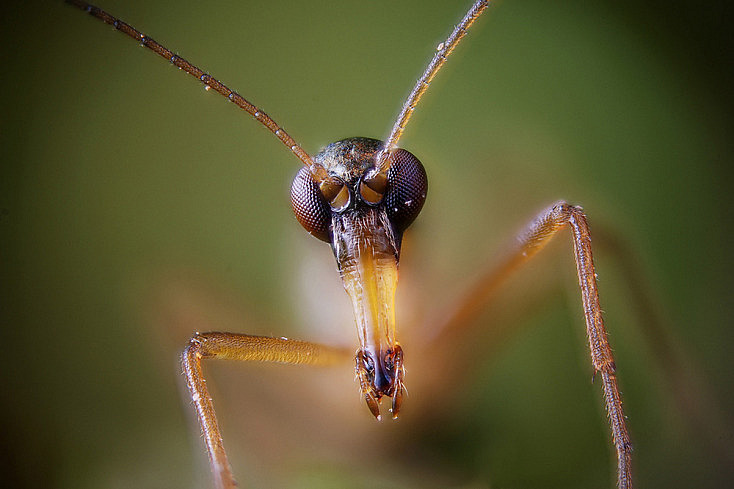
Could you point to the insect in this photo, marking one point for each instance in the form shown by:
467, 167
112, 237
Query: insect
360, 195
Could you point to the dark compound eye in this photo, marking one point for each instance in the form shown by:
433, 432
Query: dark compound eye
407, 186
309, 205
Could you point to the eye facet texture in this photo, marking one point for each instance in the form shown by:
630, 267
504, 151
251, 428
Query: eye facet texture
406, 189
309, 205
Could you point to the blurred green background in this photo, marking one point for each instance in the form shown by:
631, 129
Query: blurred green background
137, 208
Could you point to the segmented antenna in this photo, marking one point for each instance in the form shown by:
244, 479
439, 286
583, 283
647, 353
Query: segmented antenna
209, 81
442, 52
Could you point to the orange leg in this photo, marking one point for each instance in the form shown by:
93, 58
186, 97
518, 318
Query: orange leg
247, 348
532, 240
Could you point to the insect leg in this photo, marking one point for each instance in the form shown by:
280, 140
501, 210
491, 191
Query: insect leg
247, 348
529, 242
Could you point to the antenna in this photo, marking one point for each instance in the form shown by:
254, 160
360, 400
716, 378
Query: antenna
442, 52
209, 81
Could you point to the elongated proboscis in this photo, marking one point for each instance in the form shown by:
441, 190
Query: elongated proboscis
442, 52
209, 81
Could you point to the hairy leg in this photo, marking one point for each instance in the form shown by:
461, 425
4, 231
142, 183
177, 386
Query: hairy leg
528, 243
248, 348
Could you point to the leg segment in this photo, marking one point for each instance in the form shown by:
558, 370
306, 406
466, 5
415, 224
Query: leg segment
537, 236
601, 353
241, 347
532, 240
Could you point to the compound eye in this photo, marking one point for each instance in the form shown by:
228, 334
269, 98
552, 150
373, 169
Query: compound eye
372, 187
309, 205
336, 193
407, 186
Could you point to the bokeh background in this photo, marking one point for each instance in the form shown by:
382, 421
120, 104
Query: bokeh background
137, 208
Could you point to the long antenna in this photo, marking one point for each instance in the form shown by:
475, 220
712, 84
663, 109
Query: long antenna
209, 81
442, 52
